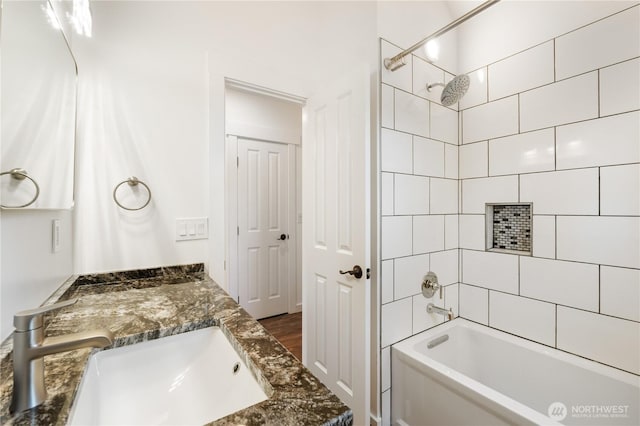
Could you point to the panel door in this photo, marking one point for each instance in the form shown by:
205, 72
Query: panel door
263, 239
336, 197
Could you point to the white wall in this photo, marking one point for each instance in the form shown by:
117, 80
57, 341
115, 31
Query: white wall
559, 126
152, 86
264, 117
31, 271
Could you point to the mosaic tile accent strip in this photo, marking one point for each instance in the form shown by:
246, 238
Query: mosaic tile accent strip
512, 227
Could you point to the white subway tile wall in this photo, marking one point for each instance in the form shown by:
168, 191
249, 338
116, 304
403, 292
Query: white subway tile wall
397, 321
450, 161
386, 281
451, 231
574, 191
444, 196
408, 274
428, 234
604, 42
472, 231
419, 197
428, 157
411, 113
474, 303
446, 263
411, 194
557, 125
476, 193
477, 93
474, 160
495, 271
563, 131
529, 69
531, 319
603, 142
613, 201
444, 124
565, 283
523, 153
620, 292
620, 88
396, 152
423, 320
424, 74
566, 101
602, 338
544, 236
491, 120
419, 204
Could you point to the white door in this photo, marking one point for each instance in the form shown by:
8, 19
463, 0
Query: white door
335, 212
263, 237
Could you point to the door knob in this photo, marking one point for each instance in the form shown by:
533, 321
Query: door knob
356, 272
283, 237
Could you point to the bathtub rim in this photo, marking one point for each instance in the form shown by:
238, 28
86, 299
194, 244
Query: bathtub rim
405, 352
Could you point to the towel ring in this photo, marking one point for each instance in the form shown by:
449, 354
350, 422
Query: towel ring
21, 174
132, 181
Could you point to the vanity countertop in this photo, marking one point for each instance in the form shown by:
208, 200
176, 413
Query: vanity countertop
153, 303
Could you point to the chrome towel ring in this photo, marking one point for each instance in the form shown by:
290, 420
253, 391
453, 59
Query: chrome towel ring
21, 174
132, 181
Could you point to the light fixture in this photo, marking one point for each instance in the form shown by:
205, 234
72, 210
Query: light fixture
51, 16
432, 50
80, 17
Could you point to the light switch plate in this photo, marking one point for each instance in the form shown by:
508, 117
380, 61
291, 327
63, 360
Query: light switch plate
194, 228
55, 235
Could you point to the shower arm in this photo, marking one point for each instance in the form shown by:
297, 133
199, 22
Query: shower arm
432, 85
398, 61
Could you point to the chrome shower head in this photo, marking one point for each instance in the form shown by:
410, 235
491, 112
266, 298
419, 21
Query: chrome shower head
454, 90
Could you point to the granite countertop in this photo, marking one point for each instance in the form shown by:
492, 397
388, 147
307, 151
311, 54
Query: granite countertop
153, 303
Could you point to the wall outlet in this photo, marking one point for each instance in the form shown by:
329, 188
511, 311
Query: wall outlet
196, 228
55, 235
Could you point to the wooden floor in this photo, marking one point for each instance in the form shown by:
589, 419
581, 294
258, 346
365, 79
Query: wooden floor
287, 328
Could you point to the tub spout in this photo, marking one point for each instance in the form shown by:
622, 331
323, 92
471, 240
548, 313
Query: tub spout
30, 346
431, 308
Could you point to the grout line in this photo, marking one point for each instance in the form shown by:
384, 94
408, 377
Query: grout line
599, 112
556, 327
599, 193
519, 126
555, 234
519, 271
486, 75
599, 288
555, 78
555, 148
488, 305
551, 303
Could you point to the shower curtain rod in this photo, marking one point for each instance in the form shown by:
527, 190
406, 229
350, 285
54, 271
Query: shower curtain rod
398, 61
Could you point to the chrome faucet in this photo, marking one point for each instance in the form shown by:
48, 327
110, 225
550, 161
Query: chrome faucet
431, 308
30, 346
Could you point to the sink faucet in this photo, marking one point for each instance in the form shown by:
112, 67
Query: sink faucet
431, 308
30, 346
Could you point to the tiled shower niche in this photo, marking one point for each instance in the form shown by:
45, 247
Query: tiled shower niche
509, 228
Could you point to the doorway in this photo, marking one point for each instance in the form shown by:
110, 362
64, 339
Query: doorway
263, 202
264, 235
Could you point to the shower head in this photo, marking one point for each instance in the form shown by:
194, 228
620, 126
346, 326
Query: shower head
454, 90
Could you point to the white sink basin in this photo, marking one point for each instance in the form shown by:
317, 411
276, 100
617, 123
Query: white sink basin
183, 379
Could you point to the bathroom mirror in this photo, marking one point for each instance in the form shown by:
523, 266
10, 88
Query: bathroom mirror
38, 100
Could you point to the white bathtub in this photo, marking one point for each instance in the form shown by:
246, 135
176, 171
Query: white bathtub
481, 376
